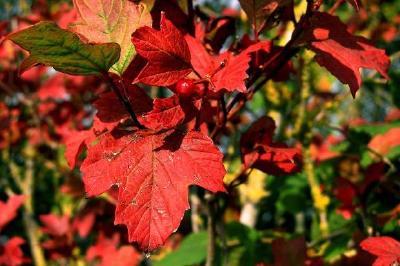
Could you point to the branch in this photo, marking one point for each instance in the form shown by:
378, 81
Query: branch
123, 99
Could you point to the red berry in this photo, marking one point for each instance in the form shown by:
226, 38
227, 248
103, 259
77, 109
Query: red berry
186, 88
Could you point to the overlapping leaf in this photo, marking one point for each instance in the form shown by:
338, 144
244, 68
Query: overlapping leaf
11, 252
112, 21
342, 53
153, 173
49, 45
232, 75
165, 50
157, 114
259, 151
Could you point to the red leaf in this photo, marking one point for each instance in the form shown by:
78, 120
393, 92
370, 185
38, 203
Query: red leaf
9, 209
111, 111
11, 253
289, 252
346, 193
165, 50
154, 114
106, 250
55, 225
232, 76
75, 141
167, 113
321, 147
84, 222
153, 173
383, 143
259, 151
53, 88
342, 53
385, 248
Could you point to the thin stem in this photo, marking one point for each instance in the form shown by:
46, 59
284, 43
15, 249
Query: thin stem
211, 231
221, 120
335, 6
123, 99
191, 16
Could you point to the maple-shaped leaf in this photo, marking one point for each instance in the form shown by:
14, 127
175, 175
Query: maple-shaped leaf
9, 209
232, 75
259, 151
51, 46
157, 114
165, 50
112, 21
11, 253
153, 172
342, 53
55, 225
385, 248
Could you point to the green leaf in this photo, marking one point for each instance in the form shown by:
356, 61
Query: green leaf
337, 247
373, 130
64, 51
193, 250
244, 245
292, 201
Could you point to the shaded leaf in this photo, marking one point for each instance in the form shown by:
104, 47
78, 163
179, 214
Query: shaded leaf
259, 151
289, 252
157, 114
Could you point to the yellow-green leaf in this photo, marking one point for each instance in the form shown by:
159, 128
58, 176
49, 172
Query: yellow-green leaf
112, 21
64, 51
